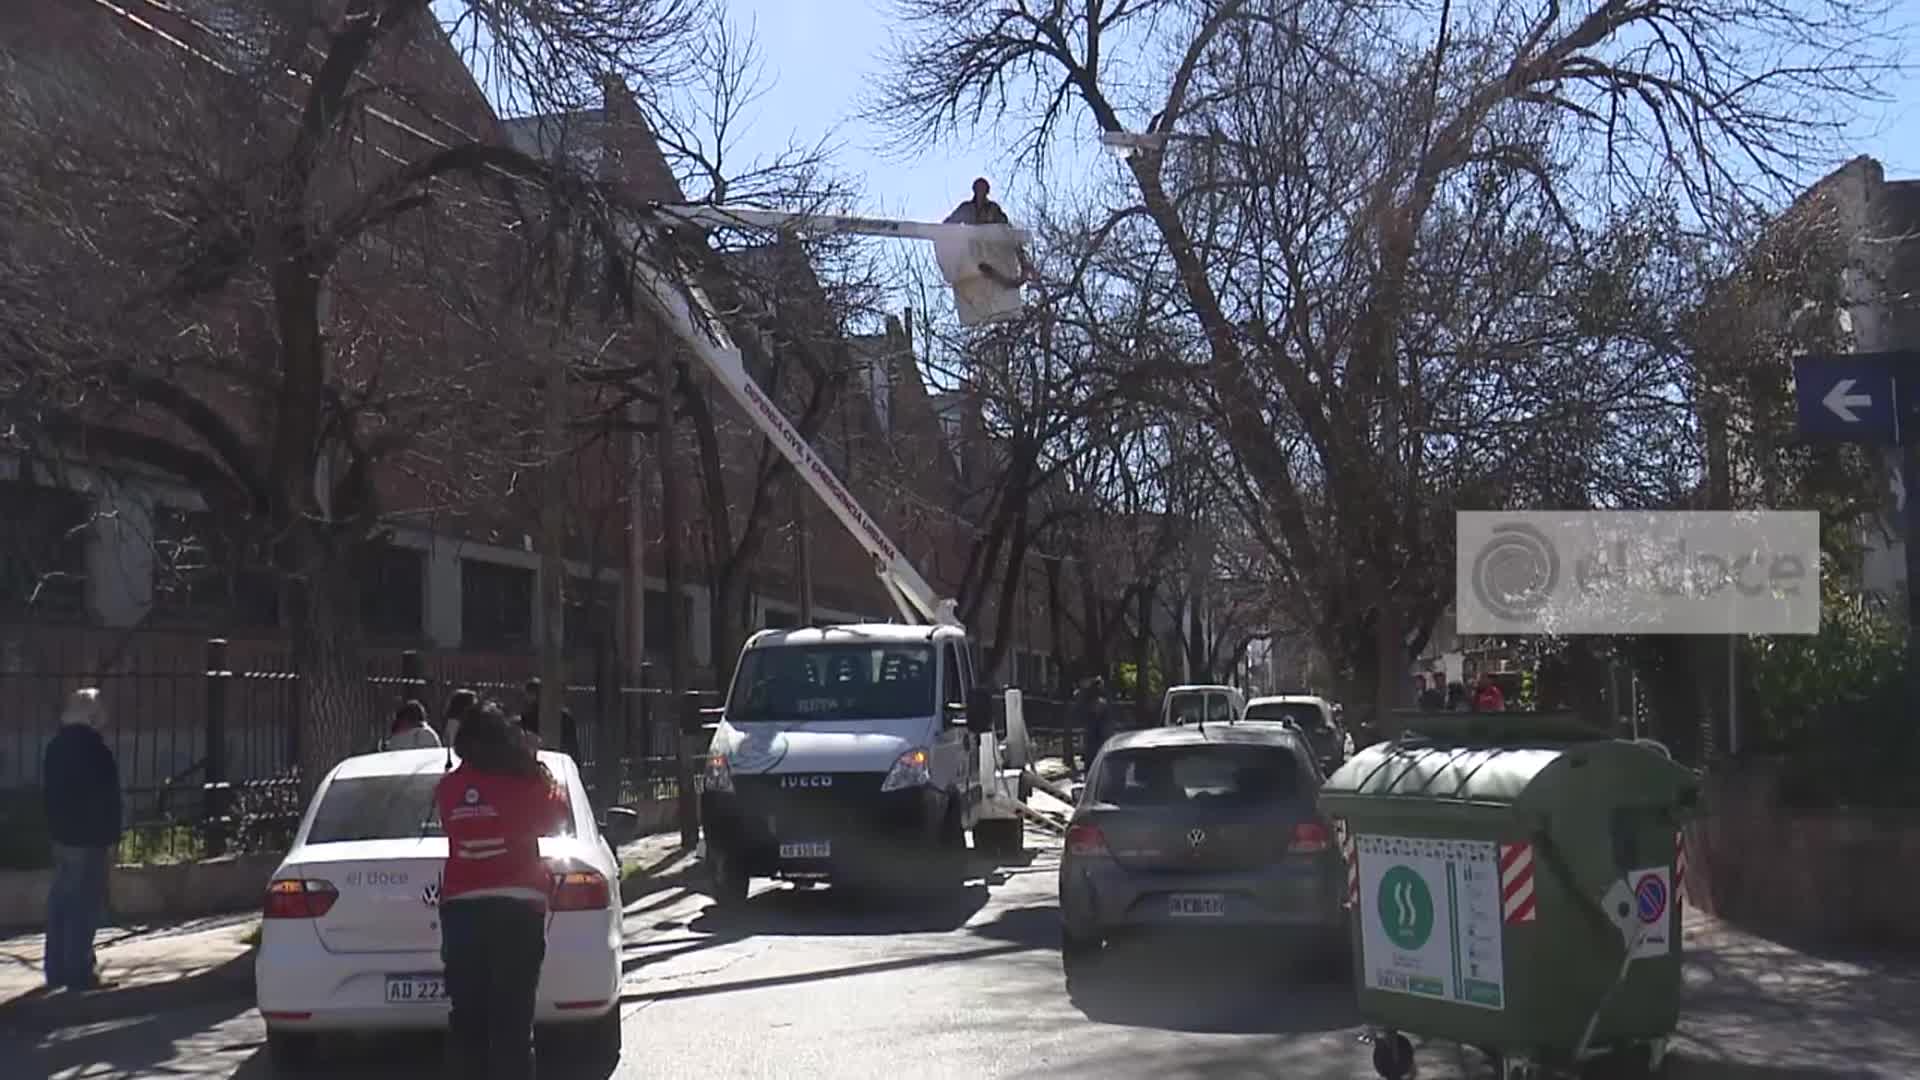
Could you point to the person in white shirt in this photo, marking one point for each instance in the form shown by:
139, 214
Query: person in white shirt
410, 729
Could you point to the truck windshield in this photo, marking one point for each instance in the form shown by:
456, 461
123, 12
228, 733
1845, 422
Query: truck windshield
833, 682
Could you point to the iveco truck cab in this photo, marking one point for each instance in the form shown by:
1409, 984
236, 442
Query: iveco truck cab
846, 754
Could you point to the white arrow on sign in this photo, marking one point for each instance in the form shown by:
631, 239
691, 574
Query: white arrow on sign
1841, 401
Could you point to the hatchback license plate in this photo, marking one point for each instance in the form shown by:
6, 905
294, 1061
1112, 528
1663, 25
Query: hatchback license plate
415, 989
813, 850
1198, 904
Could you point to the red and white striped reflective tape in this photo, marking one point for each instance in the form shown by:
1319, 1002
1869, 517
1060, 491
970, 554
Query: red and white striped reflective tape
1517, 901
1679, 866
1350, 854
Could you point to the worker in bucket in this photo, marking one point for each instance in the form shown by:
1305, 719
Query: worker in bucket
982, 210
494, 808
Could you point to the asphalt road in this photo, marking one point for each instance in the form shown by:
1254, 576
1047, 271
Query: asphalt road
818, 984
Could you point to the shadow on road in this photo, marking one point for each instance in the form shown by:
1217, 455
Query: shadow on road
1224, 985
785, 911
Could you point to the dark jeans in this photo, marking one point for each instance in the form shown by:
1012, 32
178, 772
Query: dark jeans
75, 902
493, 947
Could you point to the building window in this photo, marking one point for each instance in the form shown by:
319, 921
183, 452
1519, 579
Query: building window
661, 626
393, 586
43, 550
496, 605
205, 571
591, 605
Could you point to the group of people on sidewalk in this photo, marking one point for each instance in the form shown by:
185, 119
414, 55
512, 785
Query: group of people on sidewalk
411, 730
1438, 695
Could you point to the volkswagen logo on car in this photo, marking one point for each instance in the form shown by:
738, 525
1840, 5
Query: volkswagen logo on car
1196, 837
819, 781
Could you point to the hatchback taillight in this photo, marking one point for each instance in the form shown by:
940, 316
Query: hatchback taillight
1309, 838
580, 890
299, 898
1086, 840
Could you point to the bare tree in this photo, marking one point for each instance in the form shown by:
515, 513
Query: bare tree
221, 238
1398, 243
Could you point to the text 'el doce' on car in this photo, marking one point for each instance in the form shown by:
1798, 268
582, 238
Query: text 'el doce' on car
350, 938
1203, 826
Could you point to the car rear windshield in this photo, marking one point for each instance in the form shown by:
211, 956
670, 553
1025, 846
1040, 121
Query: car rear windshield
1199, 775
1201, 708
1308, 716
385, 808
833, 682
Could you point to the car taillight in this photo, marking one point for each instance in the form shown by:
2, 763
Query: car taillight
580, 890
1086, 840
1309, 838
299, 898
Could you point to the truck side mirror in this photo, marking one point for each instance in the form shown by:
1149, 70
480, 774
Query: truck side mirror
693, 722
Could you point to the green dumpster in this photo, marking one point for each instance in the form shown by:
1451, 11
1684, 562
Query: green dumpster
1511, 881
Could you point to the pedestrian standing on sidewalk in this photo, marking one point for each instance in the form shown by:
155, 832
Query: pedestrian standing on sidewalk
411, 730
530, 720
1079, 713
81, 782
458, 703
494, 809
1097, 726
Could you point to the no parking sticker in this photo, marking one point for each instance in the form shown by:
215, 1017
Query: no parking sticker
1653, 911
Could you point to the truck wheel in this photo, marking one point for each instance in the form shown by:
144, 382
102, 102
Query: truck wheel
728, 878
1392, 1056
950, 872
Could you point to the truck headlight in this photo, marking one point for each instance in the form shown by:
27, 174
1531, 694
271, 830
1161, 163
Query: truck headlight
911, 769
719, 775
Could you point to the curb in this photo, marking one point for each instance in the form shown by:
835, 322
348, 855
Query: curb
231, 980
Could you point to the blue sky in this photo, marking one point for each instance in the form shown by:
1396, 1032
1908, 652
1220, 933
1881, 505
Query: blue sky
819, 54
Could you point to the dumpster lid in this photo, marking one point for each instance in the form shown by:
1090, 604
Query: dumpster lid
1495, 758
1497, 728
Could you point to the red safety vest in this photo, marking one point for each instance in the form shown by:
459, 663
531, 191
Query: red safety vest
494, 823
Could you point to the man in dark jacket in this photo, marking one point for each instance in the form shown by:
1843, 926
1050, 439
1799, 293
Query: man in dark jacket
81, 782
530, 720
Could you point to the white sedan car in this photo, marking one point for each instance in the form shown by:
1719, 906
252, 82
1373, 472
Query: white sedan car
350, 938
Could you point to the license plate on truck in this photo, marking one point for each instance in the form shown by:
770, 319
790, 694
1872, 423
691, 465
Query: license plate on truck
415, 989
813, 849
1203, 905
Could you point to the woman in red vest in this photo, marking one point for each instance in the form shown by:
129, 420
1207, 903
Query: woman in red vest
493, 899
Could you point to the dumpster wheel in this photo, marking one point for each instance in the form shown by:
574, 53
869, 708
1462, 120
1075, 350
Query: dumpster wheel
1392, 1056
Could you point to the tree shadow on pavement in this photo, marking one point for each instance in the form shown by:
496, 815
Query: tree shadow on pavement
1755, 1008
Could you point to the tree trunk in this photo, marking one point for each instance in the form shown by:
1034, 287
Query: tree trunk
726, 622
1057, 625
671, 528
336, 708
1142, 661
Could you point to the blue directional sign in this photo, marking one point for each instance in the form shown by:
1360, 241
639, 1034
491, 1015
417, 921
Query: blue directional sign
1852, 398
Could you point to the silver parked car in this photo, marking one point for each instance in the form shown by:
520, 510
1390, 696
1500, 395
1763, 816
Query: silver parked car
1202, 826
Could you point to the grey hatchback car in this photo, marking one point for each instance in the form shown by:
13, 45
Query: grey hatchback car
1202, 826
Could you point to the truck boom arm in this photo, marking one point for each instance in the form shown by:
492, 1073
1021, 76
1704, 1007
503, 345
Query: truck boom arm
709, 341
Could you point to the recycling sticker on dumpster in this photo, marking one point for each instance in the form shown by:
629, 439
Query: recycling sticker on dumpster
1430, 919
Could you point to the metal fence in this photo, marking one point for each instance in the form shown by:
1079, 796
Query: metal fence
206, 733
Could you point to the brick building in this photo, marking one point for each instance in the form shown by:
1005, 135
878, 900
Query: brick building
101, 541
